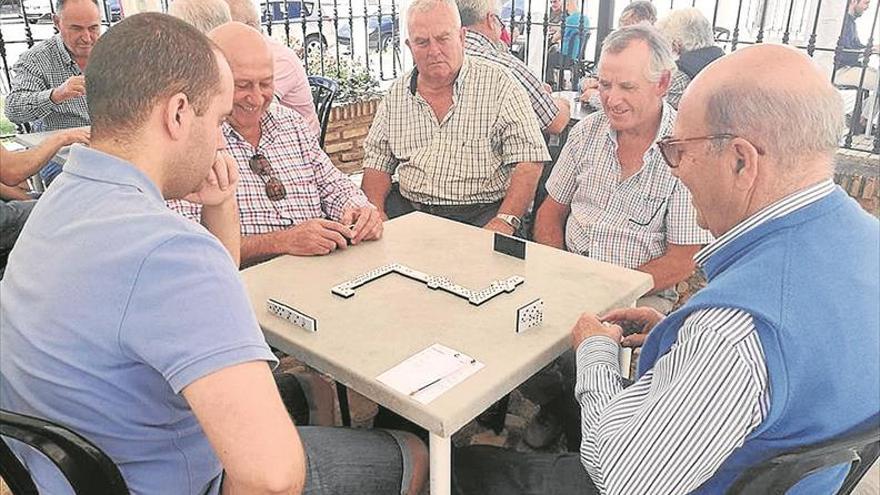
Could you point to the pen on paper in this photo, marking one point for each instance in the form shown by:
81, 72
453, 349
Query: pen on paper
423, 387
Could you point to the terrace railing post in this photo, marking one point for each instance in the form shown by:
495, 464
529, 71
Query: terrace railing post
603, 24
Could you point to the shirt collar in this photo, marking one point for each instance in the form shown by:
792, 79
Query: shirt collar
784, 206
98, 166
63, 51
456, 86
268, 125
478, 42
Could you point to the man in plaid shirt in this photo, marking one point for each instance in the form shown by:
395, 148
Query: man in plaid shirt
48, 86
611, 196
458, 130
291, 198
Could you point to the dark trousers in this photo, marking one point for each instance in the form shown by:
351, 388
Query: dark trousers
478, 214
485, 470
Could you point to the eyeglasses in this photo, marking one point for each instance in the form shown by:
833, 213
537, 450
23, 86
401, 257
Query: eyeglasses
275, 189
670, 147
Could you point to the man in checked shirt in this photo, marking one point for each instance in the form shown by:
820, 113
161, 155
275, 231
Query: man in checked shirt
459, 131
778, 352
291, 198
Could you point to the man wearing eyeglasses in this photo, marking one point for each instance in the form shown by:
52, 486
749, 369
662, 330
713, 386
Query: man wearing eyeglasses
613, 199
292, 199
777, 353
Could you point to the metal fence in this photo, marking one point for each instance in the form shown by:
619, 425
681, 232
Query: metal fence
345, 38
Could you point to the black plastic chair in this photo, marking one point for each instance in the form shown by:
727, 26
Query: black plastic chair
778, 474
323, 92
86, 467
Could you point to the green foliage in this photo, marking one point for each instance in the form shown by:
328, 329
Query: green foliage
355, 81
6, 127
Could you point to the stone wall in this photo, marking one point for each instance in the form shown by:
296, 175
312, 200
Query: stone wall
346, 130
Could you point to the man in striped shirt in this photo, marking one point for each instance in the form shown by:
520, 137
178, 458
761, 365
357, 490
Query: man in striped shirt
458, 130
731, 378
483, 39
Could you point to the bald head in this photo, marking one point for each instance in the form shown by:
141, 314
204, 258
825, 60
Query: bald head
252, 67
775, 97
241, 43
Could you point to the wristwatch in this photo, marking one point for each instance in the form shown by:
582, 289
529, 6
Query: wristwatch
511, 220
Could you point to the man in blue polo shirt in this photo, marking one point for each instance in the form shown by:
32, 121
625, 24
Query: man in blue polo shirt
129, 324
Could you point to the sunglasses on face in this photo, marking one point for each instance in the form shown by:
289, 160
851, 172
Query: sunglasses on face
275, 189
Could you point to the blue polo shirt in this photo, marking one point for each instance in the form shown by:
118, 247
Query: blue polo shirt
111, 305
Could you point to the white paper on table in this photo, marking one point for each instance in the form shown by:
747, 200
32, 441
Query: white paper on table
431, 372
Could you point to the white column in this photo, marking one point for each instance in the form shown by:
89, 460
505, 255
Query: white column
441, 465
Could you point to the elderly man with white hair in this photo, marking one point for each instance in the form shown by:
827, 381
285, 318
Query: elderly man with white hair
459, 131
770, 356
693, 41
483, 39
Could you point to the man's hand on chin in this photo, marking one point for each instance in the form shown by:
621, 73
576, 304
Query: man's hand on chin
219, 185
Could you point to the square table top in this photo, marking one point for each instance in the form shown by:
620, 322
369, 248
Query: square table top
391, 318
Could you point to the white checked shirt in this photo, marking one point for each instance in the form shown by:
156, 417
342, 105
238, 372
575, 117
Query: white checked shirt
36, 73
469, 156
626, 223
315, 187
542, 104
640, 439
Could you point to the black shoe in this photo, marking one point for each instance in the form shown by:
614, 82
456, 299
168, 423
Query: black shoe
543, 430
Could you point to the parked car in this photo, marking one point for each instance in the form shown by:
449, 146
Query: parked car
38, 10
319, 29
384, 31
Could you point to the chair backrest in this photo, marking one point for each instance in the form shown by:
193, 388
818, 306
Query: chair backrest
780, 473
86, 467
323, 92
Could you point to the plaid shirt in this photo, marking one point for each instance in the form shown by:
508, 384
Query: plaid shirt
469, 156
315, 187
629, 223
36, 73
545, 108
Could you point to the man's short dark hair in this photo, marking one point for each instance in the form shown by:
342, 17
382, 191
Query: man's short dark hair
142, 60
59, 4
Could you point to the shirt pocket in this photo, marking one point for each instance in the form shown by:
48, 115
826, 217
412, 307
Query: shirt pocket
473, 163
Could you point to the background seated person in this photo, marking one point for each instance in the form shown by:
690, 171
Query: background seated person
693, 41
849, 63
566, 45
292, 200
48, 87
483, 39
458, 130
153, 352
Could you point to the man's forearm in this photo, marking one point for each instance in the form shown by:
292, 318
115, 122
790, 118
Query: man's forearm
550, 225
261, 247
522, 189
376, 186
671, 268
222, 221
18, 166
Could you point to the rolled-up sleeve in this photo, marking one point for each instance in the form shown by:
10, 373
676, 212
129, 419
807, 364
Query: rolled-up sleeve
520, 136
377, 147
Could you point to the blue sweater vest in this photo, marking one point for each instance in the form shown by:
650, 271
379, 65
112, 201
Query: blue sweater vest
811, 281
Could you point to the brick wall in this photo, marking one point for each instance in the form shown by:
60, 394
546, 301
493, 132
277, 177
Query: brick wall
346, 130
864, 189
